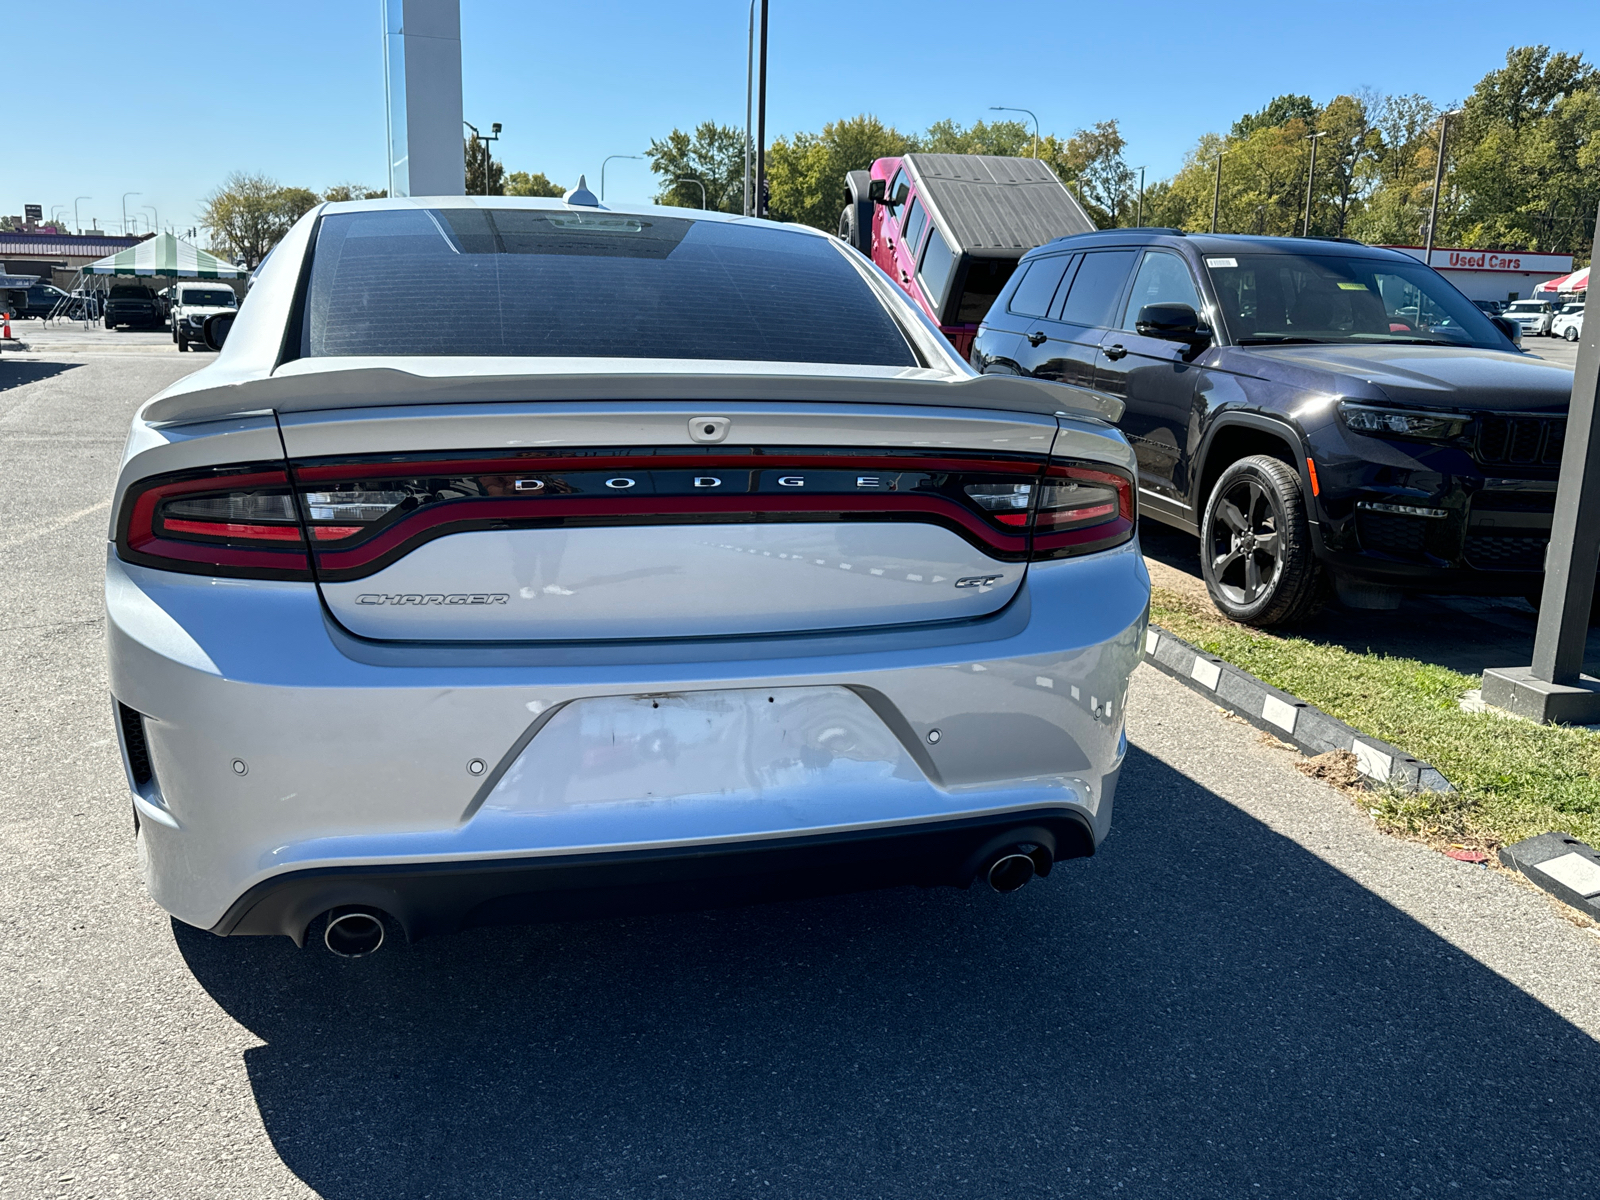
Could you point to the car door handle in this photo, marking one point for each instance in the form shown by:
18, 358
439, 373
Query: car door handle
1038, 338
1116, 352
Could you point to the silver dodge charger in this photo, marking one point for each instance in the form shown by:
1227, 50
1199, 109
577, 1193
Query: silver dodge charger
524, 558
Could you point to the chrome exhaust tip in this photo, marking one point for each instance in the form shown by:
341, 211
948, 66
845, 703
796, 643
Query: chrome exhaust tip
1011, 871
353, 932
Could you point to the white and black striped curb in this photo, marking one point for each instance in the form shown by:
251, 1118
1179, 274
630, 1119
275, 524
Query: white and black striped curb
1562, 865
1284, 716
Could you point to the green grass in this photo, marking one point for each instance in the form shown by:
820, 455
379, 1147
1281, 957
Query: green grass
1514, 779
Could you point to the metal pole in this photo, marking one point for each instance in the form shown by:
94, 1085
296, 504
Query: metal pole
761, 121
157, 213
1438, 182
607, 159
1139, 223
698, 184
1029, 111
125, 196
749, 101
77, 223
1311, 174
1216, 194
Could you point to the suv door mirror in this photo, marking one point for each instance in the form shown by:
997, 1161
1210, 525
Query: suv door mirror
875, 191
216, 329
1172, 323
1511, 329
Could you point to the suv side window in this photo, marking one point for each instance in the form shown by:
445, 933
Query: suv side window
1163, 278
937, 262
1097, 287
916, 222
1036, 292
898, 187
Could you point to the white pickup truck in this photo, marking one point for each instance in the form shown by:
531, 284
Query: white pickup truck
192, 303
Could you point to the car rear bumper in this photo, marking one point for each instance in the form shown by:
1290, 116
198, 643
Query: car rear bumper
298, 768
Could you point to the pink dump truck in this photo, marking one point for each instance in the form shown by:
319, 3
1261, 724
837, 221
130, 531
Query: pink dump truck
949, 228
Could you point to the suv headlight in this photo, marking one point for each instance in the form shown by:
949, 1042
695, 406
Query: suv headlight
1401, 422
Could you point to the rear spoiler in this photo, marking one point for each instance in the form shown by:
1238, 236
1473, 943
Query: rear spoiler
314, 385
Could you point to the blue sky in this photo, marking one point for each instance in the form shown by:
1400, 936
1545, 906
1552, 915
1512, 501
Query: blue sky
295, 88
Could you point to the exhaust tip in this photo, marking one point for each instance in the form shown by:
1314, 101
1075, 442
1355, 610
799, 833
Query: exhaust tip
353, 932
1011, 871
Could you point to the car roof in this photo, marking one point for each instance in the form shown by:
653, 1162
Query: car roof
1225, 243
989, 202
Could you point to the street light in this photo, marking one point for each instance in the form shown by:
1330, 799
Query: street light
1216, 193
1311, 171
607, 159
154, 213
53, 209
495, 129
125, 196
1139, 223
698, 184
749, 101
76, 223
1438, 182
1009, 108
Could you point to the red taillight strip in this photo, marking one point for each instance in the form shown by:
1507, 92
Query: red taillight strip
142, 517
138, 540
220, 529
426, 519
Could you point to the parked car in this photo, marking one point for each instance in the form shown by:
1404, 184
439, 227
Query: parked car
40, 301
622, 583
949, 228
1289, 406
133, 305
1493, 307
192, 303
1534, 316
1568, 323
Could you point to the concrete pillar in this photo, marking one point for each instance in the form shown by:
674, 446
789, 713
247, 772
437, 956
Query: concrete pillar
422, 82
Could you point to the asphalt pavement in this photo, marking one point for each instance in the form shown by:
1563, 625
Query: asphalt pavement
1249, 992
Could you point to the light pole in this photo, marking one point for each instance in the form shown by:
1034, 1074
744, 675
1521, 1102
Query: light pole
53, 209
125, 196
1216, 193
1139, 223
495, 129
749, 101
1438, 182
761, 121
698, 184
1311, 172
607, 159
1009, 108
154, 213
76, 223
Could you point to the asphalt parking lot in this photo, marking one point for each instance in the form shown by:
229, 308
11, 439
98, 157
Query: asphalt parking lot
1248, 993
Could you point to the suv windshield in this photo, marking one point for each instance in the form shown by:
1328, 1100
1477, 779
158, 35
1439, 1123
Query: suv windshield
1528, 306
218, 298
555, 282
1301, 298
129, 292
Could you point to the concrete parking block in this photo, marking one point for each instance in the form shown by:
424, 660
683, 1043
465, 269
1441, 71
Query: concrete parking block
1560, 864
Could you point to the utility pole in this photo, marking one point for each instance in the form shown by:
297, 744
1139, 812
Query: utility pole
125, 196
77, 222
1311, 174
1438, 182
761, 122
749, 101
1139, 223
1554, 687
1216, 193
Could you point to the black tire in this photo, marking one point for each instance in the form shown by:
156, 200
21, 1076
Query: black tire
183, 344
853, 230
1255, 545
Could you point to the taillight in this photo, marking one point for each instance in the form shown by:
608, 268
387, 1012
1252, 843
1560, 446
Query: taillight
1082, 508
236, 520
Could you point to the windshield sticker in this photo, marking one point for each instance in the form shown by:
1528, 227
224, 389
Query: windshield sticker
1222, 262
1353, 287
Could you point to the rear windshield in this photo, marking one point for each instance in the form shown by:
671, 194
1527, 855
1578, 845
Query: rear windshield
557, 283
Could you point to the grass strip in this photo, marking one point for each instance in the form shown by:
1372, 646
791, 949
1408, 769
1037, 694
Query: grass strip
1514, 778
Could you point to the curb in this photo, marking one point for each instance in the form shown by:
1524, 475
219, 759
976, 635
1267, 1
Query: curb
1563, 866
1286, 717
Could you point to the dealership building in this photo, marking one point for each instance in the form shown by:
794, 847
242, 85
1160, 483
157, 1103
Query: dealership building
1493, 274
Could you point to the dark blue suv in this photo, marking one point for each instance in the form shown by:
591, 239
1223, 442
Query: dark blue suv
1319, 412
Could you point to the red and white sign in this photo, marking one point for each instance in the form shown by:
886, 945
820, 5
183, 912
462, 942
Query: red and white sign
1492, 260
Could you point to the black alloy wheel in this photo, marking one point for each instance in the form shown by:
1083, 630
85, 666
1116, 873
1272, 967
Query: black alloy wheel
1255, 547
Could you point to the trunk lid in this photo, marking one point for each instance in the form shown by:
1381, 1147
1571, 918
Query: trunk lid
625, 521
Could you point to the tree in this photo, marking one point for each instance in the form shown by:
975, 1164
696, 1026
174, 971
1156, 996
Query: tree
805, 172
1012, 139
520, 183
249, 213
713, 155
352, 191
485, 177
1279, 111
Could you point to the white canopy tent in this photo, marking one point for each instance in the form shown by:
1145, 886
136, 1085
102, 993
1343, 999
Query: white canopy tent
165, 254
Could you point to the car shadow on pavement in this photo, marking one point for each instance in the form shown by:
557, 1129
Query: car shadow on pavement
1203, 1009
16, 374
1462, 633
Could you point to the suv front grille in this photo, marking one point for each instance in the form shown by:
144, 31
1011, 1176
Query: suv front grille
1520, 441
1518, 553
1392, 534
